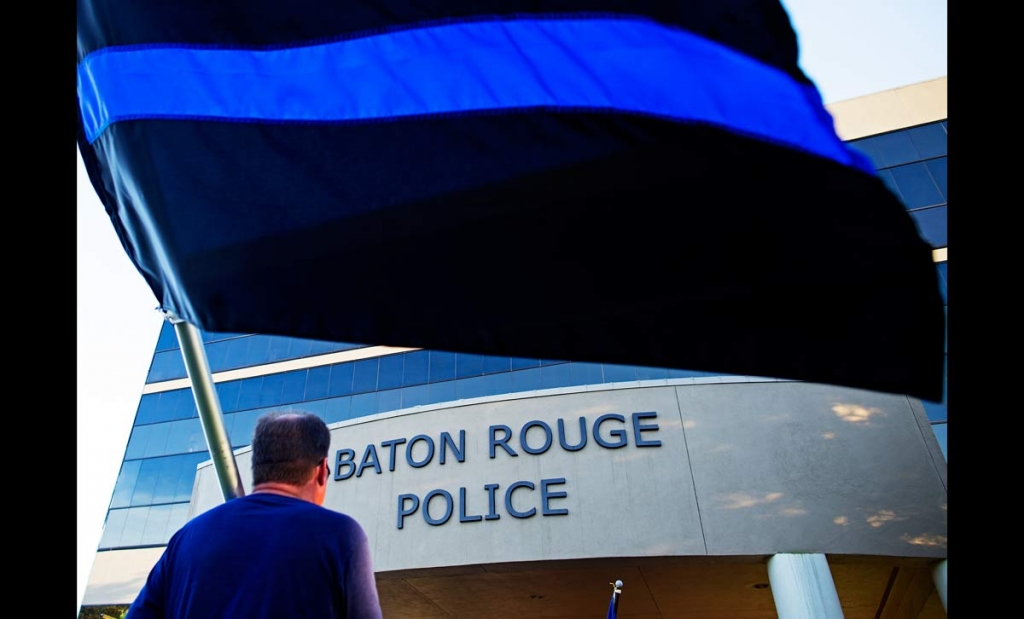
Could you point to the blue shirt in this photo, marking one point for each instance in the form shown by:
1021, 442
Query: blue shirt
263, 556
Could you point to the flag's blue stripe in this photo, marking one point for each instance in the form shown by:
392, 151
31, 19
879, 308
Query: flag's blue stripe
617, 65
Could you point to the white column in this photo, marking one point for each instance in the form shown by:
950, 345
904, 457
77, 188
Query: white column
939, 576
803, 588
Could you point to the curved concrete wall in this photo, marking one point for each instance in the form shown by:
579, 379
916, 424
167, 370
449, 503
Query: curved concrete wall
747, 468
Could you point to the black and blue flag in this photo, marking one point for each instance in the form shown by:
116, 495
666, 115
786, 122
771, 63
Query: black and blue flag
650, 182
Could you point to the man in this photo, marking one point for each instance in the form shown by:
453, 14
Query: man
276, 552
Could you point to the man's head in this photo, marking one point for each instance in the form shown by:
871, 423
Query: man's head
289, 448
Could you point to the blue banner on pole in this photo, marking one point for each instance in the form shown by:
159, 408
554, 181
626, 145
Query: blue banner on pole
641, 182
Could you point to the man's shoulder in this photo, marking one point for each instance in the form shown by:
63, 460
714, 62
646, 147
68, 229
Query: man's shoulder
311, 513
336, 518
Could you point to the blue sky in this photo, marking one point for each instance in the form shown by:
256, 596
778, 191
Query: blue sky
848, 47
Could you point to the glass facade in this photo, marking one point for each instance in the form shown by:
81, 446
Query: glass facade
231, 351
912, 162
151, 495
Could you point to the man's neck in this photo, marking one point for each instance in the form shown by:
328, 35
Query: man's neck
295, 492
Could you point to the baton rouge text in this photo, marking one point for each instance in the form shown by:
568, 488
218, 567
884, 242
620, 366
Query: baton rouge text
438, 506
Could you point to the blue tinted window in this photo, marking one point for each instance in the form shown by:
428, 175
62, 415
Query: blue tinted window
228, 394
497, 384
390, 400
148, 407
155, 531
618, 373
672, 373
293, 386
242, 425
319, 347
364, 404
936, 411
186, 405
551, 361
937, 167
237, 352
556, 376
870, 149
587, 373
211, 336
149, 474
526, 380
940, 436
178, 435
183, 491
472, 387
298, 348
496, 364
134, 525
171, 402
270, 390
931, 222
389, 375
216, 355
112, 528
178, 518
338, 409
648, 373
442, 366
364, 375
519, 363
341, 379
929, 139
916, 185
137, 442
318, 408
415, 370
166, 405
184, 436
166, 366
277, 349
440, 392
414, 396
157, 442
317, 381
125, 485
168, 339
259, 348
943, 279
896, 148
249, 393
170, 470
468, 365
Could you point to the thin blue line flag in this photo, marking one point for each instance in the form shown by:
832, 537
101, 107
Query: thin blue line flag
647, 182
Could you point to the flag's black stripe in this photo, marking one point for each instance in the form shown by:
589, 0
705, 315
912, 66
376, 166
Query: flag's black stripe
757, 28
464, 216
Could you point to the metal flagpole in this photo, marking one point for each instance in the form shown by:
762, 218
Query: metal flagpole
613, 606
208, 404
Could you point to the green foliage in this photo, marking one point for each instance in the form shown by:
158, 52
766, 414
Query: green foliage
117, 611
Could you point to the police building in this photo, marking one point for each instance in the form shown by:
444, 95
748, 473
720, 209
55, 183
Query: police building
508, 487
